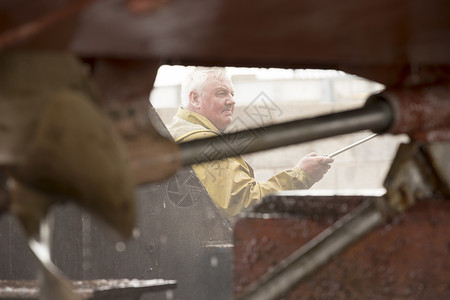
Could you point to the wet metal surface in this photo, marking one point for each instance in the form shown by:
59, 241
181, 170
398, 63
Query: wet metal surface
422, 112
389, 41
299, 266
89, 289
320, 206
409, 258
395, 42
179, 236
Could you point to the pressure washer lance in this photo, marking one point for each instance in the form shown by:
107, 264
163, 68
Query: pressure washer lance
352, 145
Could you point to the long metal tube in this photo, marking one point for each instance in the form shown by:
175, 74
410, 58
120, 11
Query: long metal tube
317, 252
376, 116
352, 145
53, 284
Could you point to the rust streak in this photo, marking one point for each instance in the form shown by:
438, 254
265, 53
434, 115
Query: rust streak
25, 31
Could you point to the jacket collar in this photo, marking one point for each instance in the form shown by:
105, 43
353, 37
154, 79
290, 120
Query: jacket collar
196, 118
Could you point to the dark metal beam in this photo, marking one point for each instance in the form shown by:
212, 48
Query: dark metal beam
376, 116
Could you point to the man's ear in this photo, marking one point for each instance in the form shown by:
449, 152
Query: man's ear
194, 99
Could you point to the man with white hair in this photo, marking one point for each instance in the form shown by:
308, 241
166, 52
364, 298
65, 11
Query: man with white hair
207, 109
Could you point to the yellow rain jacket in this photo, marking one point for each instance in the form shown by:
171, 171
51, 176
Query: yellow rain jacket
230, 182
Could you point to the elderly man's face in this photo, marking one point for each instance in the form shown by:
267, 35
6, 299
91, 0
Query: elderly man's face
217, 102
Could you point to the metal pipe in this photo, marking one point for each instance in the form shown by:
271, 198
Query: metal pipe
53, 284
376, 116
422, 112
317, 252
352, 145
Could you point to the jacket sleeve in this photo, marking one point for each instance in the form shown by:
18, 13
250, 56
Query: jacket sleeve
232, 186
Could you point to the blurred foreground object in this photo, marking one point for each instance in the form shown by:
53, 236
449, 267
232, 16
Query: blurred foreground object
58, 143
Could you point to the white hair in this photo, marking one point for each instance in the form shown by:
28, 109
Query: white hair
197, 80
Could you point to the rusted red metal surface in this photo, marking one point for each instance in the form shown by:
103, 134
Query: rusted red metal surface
145, 6
407, 258
423, 112
28, 29
393, 42
403, 44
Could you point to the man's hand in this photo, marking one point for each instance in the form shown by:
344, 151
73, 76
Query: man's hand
315, 166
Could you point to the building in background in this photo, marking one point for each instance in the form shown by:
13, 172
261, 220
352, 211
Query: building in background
267, 96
